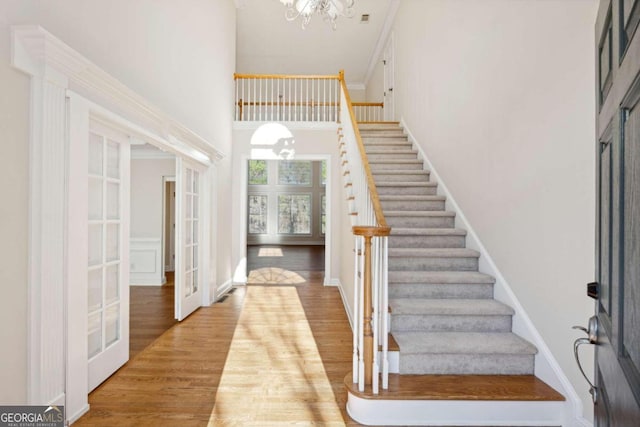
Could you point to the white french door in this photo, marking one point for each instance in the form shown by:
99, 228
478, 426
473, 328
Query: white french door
108, 253
188, 279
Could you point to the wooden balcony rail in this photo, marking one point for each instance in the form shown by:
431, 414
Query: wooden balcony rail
287, 97
369, 112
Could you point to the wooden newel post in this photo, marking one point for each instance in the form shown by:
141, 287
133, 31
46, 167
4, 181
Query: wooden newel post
367, 326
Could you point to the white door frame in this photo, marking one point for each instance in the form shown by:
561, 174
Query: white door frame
389, 79
165, 181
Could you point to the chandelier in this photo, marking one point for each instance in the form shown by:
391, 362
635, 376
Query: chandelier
330, 10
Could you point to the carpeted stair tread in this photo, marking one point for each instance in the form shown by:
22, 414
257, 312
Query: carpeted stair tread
406, 184
410, 198
396, 161
452, 307
463, 342
400, 231
433, 252
440, 277
419, 214
401, 172
391, 151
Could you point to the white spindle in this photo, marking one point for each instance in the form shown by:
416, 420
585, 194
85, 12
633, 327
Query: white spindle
356, 309
385, 312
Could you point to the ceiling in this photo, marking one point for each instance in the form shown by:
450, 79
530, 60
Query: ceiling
269, 44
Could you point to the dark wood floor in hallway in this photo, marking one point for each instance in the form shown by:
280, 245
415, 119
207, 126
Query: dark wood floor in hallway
267, 355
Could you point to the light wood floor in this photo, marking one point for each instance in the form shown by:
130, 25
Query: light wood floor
267, 355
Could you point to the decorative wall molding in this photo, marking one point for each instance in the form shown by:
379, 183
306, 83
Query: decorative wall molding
35, 51
382, 40
145, 261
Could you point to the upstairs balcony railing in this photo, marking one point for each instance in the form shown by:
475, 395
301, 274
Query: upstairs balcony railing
326, 99
296, 98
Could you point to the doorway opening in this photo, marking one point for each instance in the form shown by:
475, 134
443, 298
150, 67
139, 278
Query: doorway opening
152, 245
286, 220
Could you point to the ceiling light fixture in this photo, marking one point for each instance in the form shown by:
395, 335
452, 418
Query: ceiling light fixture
330, 10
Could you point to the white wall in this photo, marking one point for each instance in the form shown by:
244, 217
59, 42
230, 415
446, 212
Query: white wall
14, 150
357, 93
178, 55
147, 196
268, 143
500, 94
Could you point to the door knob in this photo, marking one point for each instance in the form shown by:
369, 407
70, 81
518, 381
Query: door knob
592, 338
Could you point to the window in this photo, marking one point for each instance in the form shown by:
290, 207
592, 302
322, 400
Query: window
323, 214
258, 173
294, 214
258, 214
294, 172
285, 202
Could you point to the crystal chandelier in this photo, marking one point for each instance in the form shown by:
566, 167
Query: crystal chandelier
330, 10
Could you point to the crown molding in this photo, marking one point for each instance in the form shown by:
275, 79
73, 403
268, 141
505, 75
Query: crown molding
394, 5
38, 53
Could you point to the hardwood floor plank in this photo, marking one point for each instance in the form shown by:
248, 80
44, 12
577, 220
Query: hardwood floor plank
266, 356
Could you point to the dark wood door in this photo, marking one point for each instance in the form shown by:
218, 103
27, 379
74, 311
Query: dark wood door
617, 370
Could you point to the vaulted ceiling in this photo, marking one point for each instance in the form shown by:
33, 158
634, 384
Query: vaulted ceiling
268, 43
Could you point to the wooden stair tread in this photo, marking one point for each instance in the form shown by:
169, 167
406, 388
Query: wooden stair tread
460, 387
393, 344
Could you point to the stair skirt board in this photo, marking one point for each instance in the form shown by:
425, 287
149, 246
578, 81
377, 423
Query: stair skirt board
454, 412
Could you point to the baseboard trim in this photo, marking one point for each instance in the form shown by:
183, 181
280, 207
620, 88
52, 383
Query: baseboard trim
345, 301
223, 289
75, 417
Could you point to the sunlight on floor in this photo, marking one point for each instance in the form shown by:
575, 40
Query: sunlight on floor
270, 252
274, 374
274, 276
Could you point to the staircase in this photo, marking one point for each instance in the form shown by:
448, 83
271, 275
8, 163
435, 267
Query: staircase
444, 318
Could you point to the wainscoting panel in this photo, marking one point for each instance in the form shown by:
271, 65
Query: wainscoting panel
146, 262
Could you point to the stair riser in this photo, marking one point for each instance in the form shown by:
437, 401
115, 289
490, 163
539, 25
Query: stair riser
430, 190
385, 140
382, 133
421, 221
466, 364
376, 167
378, 126
435, 291
426, 241
433, 264
450, 323
395, 177
391, 155
391, 147
412, 205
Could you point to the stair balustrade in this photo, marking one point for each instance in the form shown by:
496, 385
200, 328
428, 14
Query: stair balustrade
371, 300
299, 98
369, 112
287, 98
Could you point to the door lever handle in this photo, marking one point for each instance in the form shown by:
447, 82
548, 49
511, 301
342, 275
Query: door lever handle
592, 332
